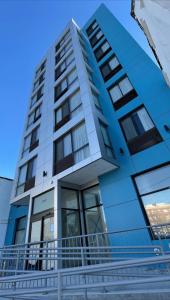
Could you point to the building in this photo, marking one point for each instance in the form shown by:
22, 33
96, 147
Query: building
154, 19
96, 145
5, 193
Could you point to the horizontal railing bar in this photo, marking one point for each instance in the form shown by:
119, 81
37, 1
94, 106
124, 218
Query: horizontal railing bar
92, 234
93, 268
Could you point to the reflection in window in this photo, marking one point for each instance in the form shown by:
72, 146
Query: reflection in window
154, 190
20, 230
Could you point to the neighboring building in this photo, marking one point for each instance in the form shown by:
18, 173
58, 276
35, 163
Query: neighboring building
96, 145
5, 193
153, 16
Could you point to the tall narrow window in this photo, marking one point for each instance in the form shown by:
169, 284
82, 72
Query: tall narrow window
96, 37
69, 109
63, 86
139, 130
92, 27
106, 140
31, 141
110, 67
102, 50
71, 148
20, 230
122, 92
26, 178
63, 66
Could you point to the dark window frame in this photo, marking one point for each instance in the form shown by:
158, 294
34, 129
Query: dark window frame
56, 98
153, 131
125, 98
66, 66
16, 226
32, 145
90, 30
68, 160
99, 49
62, 40
139, 197
29, 182
38, 95
112, 72
93, 44
58, 56
35, 118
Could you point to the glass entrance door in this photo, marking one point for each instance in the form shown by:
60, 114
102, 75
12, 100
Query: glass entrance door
42, 229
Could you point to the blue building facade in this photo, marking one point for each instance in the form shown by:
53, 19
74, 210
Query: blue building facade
124, 206
135, 102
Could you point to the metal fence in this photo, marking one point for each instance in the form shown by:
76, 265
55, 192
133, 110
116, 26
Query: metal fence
85, 250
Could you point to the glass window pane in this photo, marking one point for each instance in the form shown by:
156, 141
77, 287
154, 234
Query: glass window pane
65, 109
27, 142
69, 199
91, 197
20, 237
81, 154
62, 66
36, 231
70, 223
145, 119
94, 25
153, 180
22, 174
75, 101
72, 76
30, 119
59, 150
70, 58
48, 230
79, 137
43, 202
113, 63
115, 93
58, 115
105, 135
105, 46
95, 221
67, 144
125, 86
129, 129
99, 34
63, 85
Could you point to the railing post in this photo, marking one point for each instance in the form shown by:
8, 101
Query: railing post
17, 262
59, 286
82, 256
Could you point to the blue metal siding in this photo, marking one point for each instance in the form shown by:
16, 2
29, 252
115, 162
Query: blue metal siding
121, 203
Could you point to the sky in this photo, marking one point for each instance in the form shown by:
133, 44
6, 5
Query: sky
27, 29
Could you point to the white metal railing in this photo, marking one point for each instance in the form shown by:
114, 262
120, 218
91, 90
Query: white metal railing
85, 250
149, 275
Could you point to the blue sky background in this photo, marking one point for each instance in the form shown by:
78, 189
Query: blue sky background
27, 30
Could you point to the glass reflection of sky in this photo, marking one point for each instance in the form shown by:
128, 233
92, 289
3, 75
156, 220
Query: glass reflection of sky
162, 197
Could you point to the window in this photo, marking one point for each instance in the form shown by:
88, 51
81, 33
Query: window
63, 52
26, 178
40, 69
63, 86
93, 211
20, 230
37, 95
96, 100
71, 148
96, 37
31, 141
122, 92
102, 50
63, 66
154, 190
39, 81
106, 140
92, 27
139, 130
110, 67
62, 41
43, 202
34, 116
69, 109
